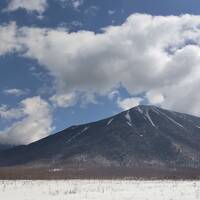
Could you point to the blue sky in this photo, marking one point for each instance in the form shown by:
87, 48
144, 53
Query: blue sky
66, 62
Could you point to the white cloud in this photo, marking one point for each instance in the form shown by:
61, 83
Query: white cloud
8, 38
64, 100
29, 5
15, 92
154, 97
129, 103
146, 53
34, 122
10, 113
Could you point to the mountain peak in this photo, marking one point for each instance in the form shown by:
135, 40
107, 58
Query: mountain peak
145, 135
145, 107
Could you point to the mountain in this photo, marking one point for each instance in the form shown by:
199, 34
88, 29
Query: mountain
5, 147
144, 137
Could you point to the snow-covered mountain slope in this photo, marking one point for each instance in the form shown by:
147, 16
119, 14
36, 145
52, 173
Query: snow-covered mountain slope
143, 136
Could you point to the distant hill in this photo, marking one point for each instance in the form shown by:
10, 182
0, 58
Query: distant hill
144, 137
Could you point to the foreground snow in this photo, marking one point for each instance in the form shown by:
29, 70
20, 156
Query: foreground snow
98, 189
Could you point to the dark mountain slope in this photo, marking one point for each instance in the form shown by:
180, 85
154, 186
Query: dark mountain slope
4, 147
145, 136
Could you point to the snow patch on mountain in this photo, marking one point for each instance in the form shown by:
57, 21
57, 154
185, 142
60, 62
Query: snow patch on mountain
129, 123
109, 122
170, 119
139, 110
149, 118
128, 117
75, 136
85, 129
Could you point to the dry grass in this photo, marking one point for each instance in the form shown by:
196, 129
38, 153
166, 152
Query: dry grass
19, 173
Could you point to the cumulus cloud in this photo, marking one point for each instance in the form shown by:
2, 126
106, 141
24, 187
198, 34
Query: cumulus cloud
146, 53
29, 5
10, 113
155, 97
34, 121
129, 103
64, 100
15, 92
8, 35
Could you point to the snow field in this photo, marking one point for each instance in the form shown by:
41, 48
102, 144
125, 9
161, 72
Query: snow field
100, 189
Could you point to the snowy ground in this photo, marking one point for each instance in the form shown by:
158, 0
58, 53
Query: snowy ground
98, 189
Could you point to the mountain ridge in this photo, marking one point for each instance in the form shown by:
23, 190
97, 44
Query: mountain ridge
144, 136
